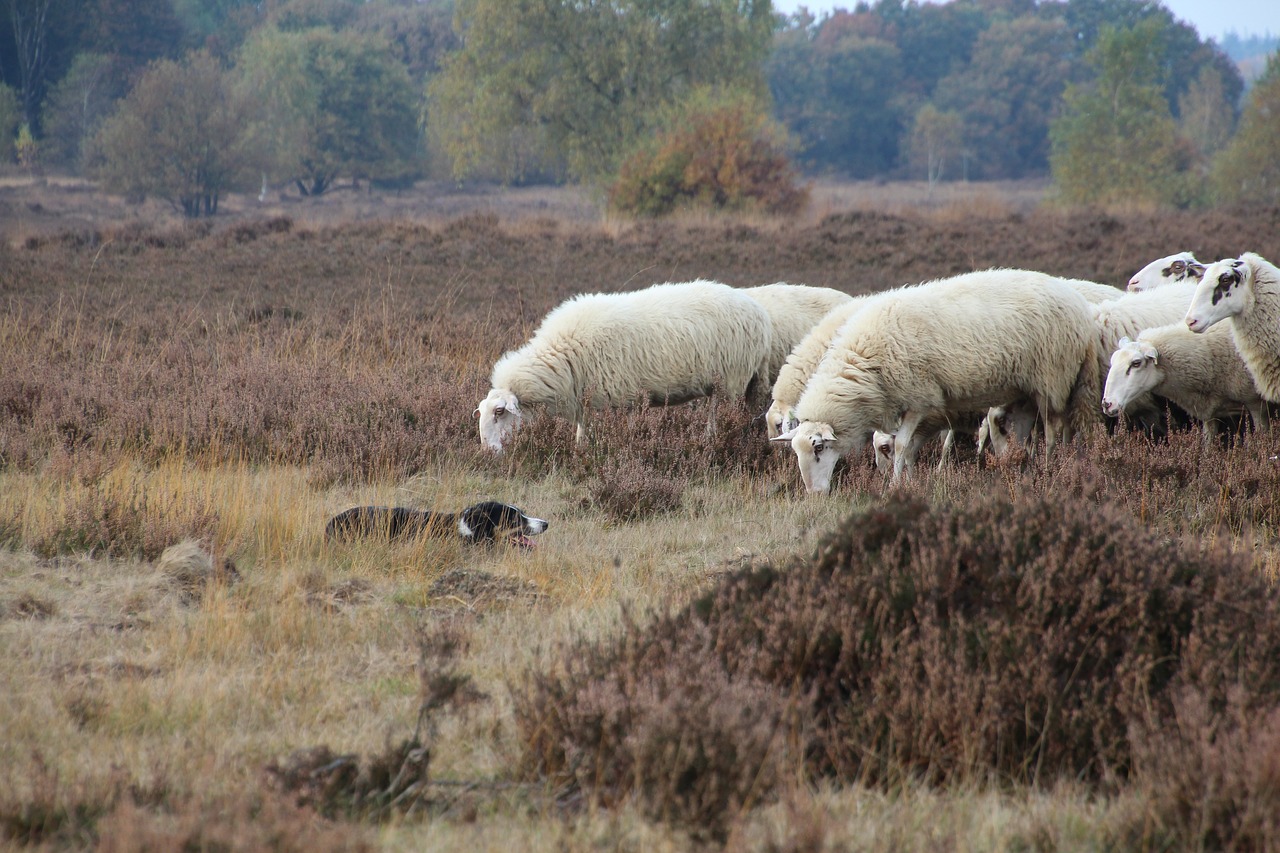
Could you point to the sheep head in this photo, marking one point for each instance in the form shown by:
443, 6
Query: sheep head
1174, 268
499, 416
780, 418
1224, 291
1134, 371
816, 453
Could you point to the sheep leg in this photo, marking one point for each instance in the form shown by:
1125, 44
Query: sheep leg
1050, 421
948, 442
1261, 417
905, 444
1210, 431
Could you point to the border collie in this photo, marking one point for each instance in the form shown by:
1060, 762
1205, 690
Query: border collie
482, 523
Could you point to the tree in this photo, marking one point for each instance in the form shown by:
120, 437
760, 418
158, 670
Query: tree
1007, 95
1116, 140
77, 104
936, 137
30, 20
839, 99
179, 135
10, 116
584, 80
1248, 169
1205, 115
332, 103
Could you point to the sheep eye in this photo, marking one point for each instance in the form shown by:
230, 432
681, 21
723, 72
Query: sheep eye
1226, 278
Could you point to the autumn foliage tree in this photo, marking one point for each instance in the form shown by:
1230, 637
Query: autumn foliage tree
1249, 168
717, 152
179, 135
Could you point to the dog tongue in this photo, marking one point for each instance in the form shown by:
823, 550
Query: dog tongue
522, 541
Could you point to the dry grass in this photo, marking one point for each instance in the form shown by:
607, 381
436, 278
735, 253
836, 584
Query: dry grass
238, 383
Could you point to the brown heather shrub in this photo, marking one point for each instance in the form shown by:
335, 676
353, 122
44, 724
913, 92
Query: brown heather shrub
629, 491
108, 524
1210, 777
347, 786
1020, 642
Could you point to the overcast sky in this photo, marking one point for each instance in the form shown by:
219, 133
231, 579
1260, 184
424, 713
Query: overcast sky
1212, 18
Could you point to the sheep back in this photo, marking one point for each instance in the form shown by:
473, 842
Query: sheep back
670, 342
794, 309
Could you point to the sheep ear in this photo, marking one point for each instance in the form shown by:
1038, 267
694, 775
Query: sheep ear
1195, 270
786, 436
1123, 342
476, 413
1148, 351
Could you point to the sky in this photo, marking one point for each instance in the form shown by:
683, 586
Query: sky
1212, 18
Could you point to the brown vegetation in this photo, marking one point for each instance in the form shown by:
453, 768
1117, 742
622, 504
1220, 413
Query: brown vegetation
1045, 643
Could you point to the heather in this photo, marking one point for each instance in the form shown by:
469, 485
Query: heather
1016, 654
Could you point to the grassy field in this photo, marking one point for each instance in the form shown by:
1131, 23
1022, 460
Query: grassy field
238, 382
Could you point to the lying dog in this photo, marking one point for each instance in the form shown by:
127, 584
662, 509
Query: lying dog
482, 523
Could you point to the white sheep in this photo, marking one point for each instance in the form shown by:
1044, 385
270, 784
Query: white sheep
1201, 373
1246, 290
794, 309
952, 346
945, 430
1092, 291
800, 364
1175, 268
1007, 426
671, 343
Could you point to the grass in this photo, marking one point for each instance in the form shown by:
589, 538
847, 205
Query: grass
239, 383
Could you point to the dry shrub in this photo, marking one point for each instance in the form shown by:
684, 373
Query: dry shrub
990, 639
102, 522
1211, 777
349, 787
629, 491
190, 569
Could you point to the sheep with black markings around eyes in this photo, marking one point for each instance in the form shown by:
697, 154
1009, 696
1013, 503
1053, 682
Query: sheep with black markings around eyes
946, 347
1172, 269
671, 343
1201, 373
1246, 291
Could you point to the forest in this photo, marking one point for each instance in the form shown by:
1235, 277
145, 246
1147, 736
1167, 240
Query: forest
722, 103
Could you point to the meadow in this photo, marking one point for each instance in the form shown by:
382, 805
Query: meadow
237, 382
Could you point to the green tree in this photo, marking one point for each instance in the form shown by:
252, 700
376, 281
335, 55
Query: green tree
838, 97
1205, 115
1116, 140
1007, 94
936, 138
1248, 169
332, 103
77, 104
10, 116
585, 80
178, 135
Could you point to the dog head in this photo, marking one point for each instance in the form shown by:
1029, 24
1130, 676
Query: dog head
490, 521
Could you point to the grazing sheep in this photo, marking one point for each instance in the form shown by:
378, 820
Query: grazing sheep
671, 343
1182, 266
947, 347
1246, 290
800, 364
883, 443
1201, 373
794, 309
1004, 427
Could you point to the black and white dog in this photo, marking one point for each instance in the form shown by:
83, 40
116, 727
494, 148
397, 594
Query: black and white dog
482, 523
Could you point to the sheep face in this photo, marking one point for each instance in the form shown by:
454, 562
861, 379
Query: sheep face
816, 453
780, 418
1224, 291
1005, 426
1175, 268
1135, 370
500, 416
882, 443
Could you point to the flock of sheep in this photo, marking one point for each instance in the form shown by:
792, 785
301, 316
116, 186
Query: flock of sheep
1014, 355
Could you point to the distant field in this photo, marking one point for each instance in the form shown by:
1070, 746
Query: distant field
238, 381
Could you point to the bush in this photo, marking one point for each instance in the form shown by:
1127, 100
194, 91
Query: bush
1022, 642
720, 155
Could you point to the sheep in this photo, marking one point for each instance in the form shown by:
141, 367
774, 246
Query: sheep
1201, 373
800, 364
1092, 291
1246, 290
883, 443
1005, 426
1181, 266
794, 309
950, 346
671, 343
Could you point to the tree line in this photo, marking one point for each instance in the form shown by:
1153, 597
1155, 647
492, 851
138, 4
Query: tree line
661, 103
